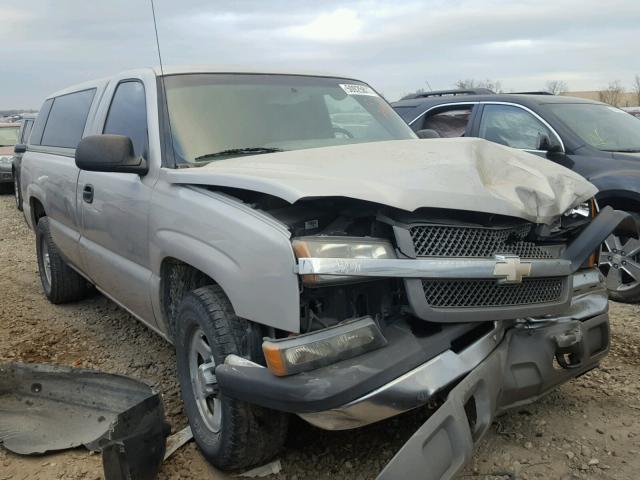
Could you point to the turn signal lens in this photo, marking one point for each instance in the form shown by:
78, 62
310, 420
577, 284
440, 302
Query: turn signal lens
313, 350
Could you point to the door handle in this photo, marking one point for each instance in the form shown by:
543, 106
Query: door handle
87, 193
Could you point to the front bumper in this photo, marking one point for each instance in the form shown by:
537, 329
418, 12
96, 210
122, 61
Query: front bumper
518, 371
410, 369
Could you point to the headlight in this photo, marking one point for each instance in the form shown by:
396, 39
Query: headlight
586, 209
309, 351
5, 160
339, 247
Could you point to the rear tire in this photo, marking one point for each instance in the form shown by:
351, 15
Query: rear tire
230, 434
16, 190
61, 284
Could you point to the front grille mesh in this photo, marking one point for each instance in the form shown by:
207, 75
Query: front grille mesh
463, 241
489, 293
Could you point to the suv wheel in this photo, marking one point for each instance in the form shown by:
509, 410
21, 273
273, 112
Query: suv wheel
620, 264
231, 434
16, 190
61, 284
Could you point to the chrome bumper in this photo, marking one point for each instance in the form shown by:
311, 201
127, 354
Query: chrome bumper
409, 391
415, 388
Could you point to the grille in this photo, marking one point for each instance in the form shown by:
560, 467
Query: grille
457, 241
489, 293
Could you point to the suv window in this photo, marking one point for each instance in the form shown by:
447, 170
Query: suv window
67, 119
128, 115
41, 120
26, 131
513, 127
449, 123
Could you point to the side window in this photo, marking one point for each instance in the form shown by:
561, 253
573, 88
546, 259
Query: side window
448, 123
26, 131
128, 115
512, 126
41, 120
67, 119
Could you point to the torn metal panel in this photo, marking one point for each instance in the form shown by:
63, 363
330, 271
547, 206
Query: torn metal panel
462, 174
45, 408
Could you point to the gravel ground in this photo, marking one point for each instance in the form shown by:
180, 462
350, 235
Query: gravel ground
589, 428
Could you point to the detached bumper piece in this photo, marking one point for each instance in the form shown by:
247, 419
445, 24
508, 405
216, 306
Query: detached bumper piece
519, 371
46, 407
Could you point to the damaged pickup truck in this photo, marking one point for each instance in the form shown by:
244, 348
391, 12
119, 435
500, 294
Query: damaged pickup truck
307, 255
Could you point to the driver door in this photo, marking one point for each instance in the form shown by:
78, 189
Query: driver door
114, 210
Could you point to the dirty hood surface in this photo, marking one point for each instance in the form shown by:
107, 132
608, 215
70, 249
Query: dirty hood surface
463, 174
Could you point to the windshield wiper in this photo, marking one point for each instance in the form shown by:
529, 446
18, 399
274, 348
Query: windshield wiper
238, 151
624, 150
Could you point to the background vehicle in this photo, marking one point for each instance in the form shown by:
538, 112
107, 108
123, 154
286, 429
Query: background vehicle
23, 139
635, 111
8, 138
594, 139
305, 254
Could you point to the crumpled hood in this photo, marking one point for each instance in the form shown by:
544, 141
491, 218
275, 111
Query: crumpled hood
462, 174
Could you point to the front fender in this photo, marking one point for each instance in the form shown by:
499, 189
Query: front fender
239, 248
623, 184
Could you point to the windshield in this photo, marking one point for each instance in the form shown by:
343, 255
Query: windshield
601, 126
9, 136
218, 116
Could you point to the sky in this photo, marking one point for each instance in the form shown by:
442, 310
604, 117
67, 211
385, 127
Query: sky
397, 47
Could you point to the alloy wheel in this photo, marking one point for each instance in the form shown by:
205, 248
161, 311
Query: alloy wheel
16, 189
620, 263
46, 259
203, 380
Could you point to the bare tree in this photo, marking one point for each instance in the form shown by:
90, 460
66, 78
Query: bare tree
411, 95
636, 88
556, 87
470, 83
613, 94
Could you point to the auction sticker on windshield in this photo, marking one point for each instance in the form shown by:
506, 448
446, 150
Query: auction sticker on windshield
353, 89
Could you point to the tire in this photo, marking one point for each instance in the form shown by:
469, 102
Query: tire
620, 264
61, 284
16, 190
230, 434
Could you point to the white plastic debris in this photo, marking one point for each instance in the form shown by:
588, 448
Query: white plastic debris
270, 468
177, 440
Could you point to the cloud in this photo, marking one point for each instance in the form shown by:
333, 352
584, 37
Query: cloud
337, 26
396, 46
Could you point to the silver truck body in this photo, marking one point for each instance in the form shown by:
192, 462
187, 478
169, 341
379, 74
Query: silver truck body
126, 239
120, 241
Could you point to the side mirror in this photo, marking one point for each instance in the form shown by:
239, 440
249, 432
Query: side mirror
545, 145
428, 133
20, 148
109, 153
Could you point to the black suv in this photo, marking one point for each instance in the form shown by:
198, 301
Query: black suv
599, 141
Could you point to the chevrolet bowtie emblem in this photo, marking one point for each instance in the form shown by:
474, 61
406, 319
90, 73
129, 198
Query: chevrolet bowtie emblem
510, 269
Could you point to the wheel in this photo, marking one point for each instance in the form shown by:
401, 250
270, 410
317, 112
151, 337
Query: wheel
620, 264
231, 434
16, 191
61, 284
